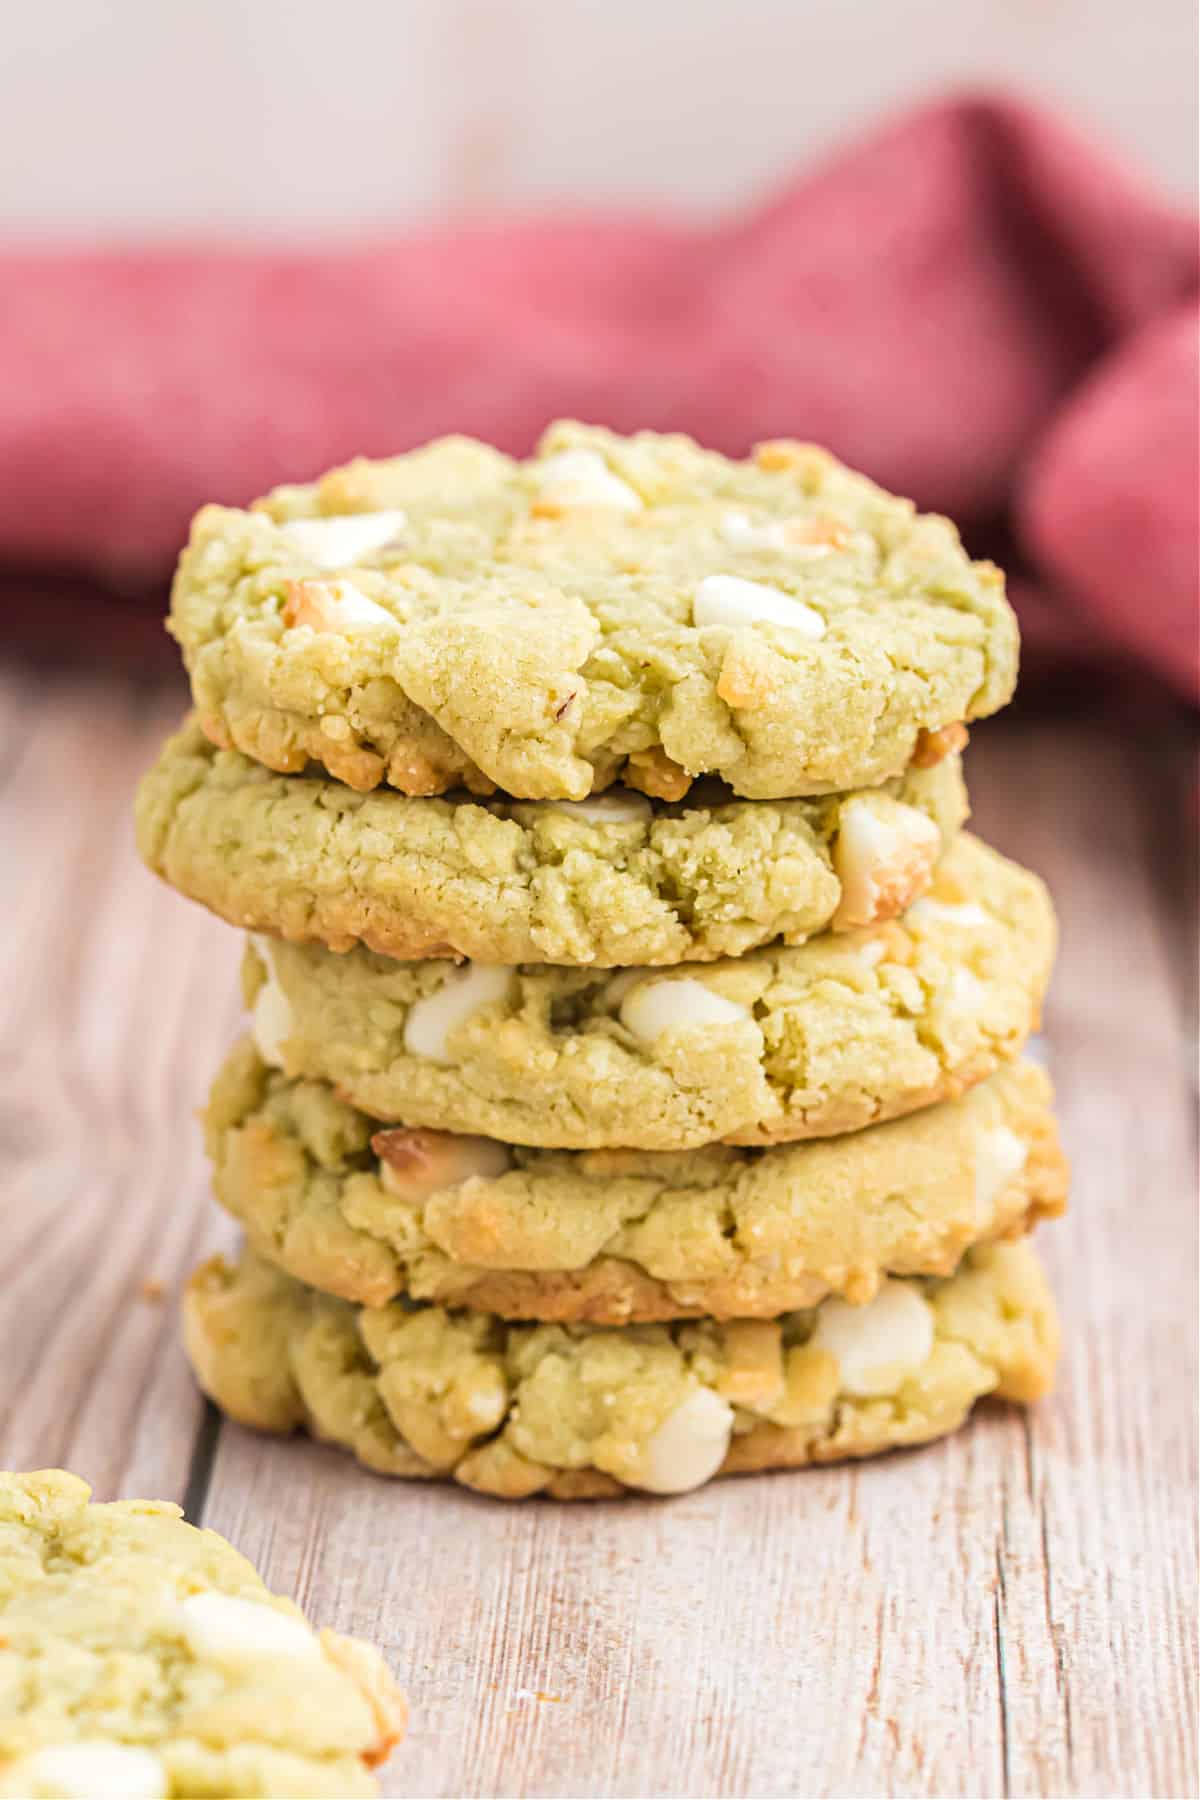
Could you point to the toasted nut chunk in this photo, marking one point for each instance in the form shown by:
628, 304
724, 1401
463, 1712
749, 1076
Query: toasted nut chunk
656, 774
803, 539
808, 461
932, 746
331, 606
884, 856
418, 1163
378, 1687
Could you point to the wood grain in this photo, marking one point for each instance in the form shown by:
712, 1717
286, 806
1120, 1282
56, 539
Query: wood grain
1009, 1613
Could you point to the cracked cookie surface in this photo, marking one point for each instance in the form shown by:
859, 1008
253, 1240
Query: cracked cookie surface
614, 608
844, 1031
581, 1411
617, 1235
141, 1657
615, 879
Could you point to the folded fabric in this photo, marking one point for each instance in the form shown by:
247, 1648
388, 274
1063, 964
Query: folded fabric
974, 305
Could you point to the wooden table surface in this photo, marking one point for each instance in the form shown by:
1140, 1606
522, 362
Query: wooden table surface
1011, 1612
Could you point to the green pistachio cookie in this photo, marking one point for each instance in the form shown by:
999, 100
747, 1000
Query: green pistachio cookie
578, 1411
609, 1236
614, 879
843, 1031
633, 608
141, 1658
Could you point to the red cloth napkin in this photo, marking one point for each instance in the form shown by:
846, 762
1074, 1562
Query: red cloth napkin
975, 305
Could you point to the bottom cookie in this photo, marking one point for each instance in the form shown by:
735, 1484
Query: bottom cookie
140, 1657
581, 1412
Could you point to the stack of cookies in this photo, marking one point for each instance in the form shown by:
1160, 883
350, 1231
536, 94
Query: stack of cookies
632, 1091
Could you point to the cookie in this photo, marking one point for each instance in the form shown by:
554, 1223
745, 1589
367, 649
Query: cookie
580, 1411
843, 1031
614, 879
140, 1657
633, 608
609, 1236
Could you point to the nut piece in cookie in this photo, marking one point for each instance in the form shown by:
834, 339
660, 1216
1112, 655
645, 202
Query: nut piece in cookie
332, 606
419, 1163
884, 856
932, 746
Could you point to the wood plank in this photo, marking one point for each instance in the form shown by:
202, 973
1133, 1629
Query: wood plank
117, 996
1008, 1613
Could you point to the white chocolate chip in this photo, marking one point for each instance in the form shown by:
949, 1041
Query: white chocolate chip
741, 532
625, 808
225, 1628
967, 912
332, 606
879, 1345
616, 989
430, 1021
689, 1446
884, 854
414, 1164
583, 478
271, 1018
676, 1005
93, 1770
338, 541
729, 600
966, 991
1000, 1155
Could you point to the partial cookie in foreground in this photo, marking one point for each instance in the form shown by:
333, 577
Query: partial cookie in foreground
142, 1658
633, 608
611, 880
611, 1236
843, 1031
580, 1411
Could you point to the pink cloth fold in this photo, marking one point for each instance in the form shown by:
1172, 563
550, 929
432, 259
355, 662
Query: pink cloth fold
974, 304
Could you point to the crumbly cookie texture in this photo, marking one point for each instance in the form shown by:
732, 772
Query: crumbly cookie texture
614, 879
614, 607
846, 1030
141, 1658
609, 1236
578, 1411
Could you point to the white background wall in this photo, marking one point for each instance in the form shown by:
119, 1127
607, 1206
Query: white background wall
127, 116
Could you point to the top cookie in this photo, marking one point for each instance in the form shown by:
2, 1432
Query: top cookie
140, 1657
633, 608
